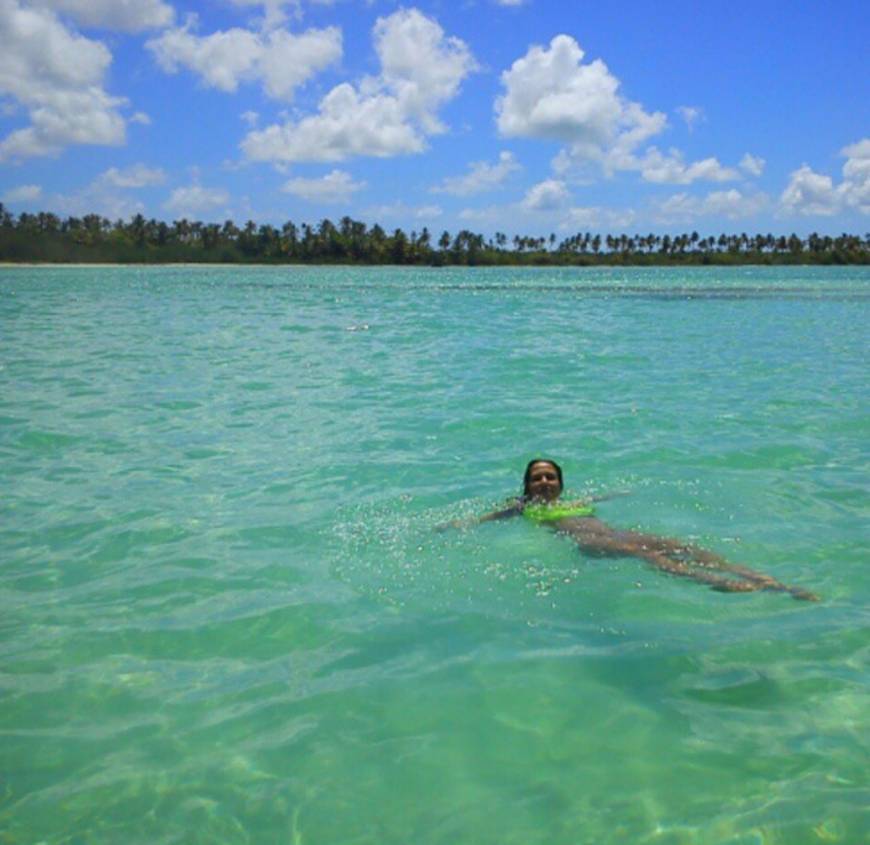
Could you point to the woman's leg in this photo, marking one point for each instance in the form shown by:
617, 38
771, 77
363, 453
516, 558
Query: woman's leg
702, 557
721, 583
671, 556
692, 554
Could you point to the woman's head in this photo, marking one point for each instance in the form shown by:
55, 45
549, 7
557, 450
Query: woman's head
543, 480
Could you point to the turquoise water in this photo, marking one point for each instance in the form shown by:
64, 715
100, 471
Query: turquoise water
226, 616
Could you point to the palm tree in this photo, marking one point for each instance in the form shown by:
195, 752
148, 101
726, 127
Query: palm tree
229, 231
398, 247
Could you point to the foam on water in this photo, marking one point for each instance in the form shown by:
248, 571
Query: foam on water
227, 614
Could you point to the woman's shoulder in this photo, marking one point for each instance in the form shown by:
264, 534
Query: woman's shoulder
512, 507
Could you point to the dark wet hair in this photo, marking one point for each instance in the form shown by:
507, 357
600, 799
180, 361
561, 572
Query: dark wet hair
540, 461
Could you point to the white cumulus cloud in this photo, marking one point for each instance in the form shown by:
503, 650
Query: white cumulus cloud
809, 193
551, 94
596, 217
136, 176
336, 186
23, 193
733, 204
691, 115
195, 199
110, 194
753, 165
278, 59
655, 166
482, 176
549, 195
814, 194
392, 114
348, 124
124, 15
58, 76
427, 212
274, 13
855, 189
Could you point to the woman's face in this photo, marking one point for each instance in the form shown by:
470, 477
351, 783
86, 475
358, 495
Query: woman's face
544, 482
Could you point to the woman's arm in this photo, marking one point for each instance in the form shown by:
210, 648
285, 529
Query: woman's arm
514, 509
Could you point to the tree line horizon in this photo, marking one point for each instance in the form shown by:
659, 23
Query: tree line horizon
46, 237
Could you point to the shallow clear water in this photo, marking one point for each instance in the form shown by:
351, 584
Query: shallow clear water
226, 616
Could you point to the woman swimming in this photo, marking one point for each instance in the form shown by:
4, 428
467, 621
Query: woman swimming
540, 502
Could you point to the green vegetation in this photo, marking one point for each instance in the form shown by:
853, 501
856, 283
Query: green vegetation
45, 237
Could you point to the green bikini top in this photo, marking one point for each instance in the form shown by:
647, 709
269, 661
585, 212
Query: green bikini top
551, 513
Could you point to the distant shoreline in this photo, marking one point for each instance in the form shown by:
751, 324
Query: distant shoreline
44, 239
543, 265
95, 264
614, 262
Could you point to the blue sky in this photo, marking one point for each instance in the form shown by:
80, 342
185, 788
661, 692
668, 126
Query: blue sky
520, 116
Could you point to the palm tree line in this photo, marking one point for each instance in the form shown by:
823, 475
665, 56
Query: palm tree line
45, 236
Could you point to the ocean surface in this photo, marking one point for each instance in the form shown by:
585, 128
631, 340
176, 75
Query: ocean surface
226, 614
